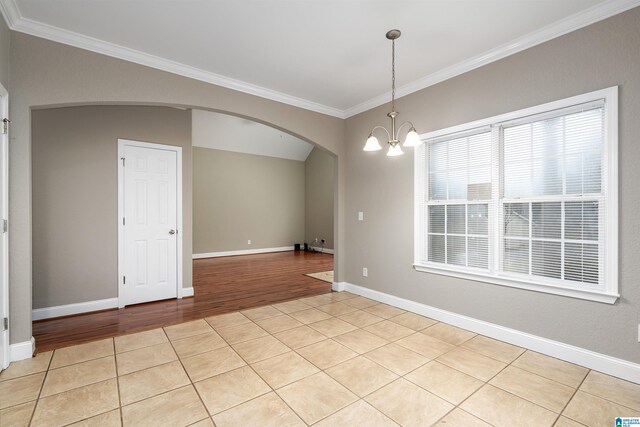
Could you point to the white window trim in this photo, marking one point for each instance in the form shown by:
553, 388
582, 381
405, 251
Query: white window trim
609, 185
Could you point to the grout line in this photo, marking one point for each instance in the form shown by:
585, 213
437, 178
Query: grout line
191, 383
41, 387
572, 396
115, 361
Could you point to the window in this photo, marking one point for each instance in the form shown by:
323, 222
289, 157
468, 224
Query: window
527, 199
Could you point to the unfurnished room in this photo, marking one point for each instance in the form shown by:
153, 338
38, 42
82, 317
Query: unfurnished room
329, 213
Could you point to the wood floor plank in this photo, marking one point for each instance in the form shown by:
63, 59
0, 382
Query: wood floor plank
221, 285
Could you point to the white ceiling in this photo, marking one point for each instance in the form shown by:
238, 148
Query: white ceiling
229, 133
325, 55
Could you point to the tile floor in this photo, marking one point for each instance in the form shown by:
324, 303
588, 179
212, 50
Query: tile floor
329, 360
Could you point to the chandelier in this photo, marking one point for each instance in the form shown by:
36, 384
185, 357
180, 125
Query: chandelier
412, 139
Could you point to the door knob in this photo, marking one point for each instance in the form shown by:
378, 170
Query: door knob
172, 232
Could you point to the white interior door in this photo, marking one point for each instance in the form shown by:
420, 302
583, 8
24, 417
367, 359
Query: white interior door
4, 239
149, 229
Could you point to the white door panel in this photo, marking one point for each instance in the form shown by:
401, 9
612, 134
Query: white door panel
150, 257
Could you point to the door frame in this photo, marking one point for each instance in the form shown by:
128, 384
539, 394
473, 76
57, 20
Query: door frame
121, 228
4, 280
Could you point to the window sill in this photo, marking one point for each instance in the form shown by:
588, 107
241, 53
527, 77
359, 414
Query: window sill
591, 295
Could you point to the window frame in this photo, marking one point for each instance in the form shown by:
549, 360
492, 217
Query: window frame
609, 193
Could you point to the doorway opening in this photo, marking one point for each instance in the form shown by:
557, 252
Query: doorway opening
76, 276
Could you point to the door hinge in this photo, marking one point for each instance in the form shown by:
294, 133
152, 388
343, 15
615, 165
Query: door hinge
5, 125
5, 225
122, 158
123, 221
124, 280
5, 324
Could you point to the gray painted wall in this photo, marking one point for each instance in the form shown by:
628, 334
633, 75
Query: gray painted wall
318, 202
45, 73
239, 197
75, 195
5, 39
599, 56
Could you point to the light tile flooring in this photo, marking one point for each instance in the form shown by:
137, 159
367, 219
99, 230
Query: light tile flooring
330, 360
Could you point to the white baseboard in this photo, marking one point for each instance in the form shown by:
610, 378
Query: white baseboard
339, 286
22, 350
597, 361
319, 249
242, 252
69, 309
185, 292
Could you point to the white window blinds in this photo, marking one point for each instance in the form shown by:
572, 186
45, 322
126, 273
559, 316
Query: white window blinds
552, 199
526, 199
459, 188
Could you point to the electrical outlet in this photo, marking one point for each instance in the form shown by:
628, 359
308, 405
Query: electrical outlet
248, 242
360, 216
365, 272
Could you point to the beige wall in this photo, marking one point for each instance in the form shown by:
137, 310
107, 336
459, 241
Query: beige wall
239, 197
318, 203
596, 57
75, 195
5, 37
45, 73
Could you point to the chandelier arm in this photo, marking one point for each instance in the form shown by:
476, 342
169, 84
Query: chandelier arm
401, 126
384, 129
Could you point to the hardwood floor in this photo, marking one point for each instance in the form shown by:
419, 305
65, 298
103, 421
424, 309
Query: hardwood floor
221, 285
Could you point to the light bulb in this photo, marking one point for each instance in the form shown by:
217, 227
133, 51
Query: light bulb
372, 144
394, 150
412, 139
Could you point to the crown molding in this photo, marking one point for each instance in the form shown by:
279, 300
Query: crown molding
571, 23
10, 11
18, 23
606, 9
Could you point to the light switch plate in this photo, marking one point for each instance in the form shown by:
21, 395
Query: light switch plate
360, 216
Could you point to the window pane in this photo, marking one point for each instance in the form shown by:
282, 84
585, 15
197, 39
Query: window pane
517, 143
480, 149
478, 219
456, 250
436, 248
516, 256
546, 259
591, 173
583, 173
547, 176
581, 262
516, 219
478, 252
437, 156
438, 186
456, 219
584, 131
581, 220
457, 184
547, 136
436, 219
457, 154
517, 179
547, 220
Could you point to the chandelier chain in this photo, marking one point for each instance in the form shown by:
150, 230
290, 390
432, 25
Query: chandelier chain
393, 75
